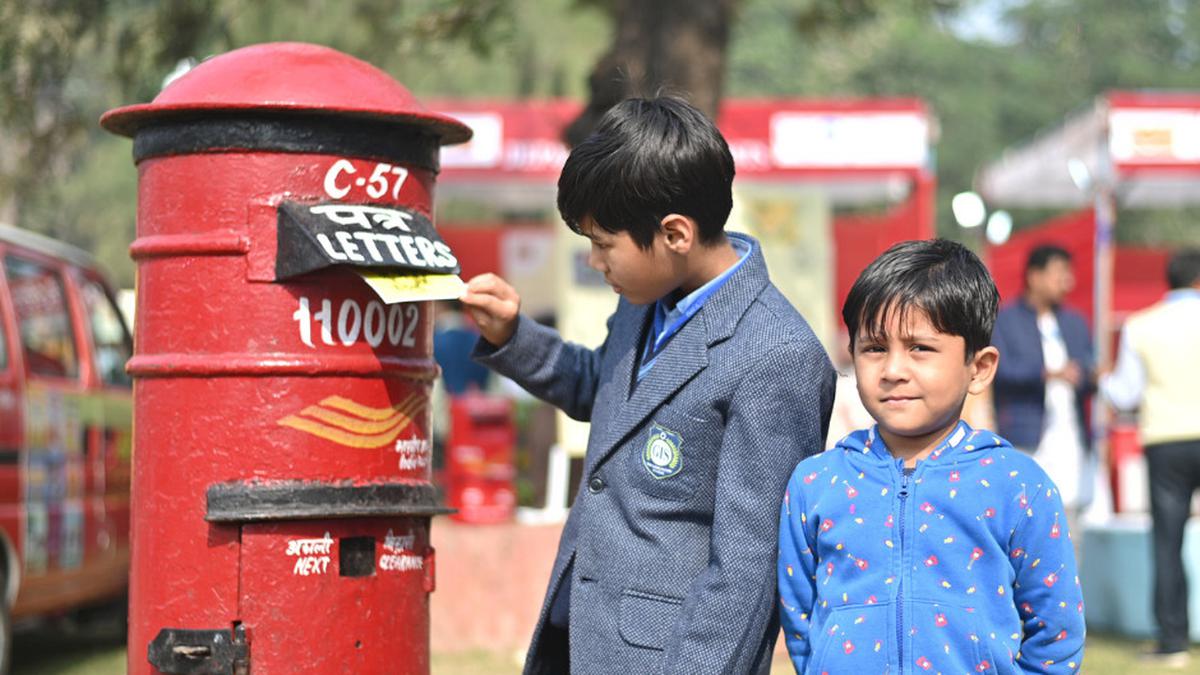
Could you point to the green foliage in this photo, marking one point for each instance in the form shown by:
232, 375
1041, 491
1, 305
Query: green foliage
1058, 56
62, 63
93, 207
822, 16
40, 113
1156, 227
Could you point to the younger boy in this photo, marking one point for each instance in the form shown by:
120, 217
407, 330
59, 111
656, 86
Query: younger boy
708, 388
922, 544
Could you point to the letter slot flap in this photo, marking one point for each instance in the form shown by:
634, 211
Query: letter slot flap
380, 238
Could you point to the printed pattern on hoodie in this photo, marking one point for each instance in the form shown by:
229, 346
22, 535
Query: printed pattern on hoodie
964, 566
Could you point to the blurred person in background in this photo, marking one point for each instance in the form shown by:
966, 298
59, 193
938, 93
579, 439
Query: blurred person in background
1158, 365
1046, 376
454, 337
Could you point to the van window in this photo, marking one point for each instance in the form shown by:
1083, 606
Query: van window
3, 349
108, 335
42, 318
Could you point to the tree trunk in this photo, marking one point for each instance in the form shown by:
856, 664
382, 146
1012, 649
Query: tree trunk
672, 47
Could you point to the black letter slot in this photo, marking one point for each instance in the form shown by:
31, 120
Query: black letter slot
356, 556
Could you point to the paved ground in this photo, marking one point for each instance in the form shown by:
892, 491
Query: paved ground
51, 651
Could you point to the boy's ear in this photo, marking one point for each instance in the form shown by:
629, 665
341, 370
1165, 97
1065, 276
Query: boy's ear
983, 369
679, 232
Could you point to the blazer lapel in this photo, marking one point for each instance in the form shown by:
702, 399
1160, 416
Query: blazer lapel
684, 357
613, 396
679, 363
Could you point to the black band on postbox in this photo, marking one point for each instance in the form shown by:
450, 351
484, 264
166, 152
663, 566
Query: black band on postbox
364, 138
299, 500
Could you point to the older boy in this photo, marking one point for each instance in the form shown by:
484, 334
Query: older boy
707, 388
921, 544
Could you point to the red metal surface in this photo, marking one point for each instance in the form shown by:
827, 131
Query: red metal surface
1153, 99
1123, 447
479, 460
479, 247
290, 77
1139, 279
241, 379
352, 622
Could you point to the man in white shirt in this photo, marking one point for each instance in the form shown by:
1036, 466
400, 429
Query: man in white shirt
1044, 378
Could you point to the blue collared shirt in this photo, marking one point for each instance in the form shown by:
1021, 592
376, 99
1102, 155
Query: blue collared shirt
668, 320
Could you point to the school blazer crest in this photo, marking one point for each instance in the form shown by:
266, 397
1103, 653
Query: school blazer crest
673, 531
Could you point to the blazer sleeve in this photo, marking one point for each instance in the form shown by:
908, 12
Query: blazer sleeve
1016, 370
779, 414
1046, 589
797, 573
536, 357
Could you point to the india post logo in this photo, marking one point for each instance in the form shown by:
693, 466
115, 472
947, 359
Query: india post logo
354, 425
662, 456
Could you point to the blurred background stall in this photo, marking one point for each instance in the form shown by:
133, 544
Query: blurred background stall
854, 125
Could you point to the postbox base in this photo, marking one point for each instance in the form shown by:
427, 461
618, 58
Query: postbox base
337, 595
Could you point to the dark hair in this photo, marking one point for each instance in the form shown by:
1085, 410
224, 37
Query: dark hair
1184, 269
943, 279
649, 158
1041, 256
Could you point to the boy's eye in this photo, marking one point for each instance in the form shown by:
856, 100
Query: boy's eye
922, 348
872, 349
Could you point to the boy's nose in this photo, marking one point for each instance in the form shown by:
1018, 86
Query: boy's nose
593, 260
895, 365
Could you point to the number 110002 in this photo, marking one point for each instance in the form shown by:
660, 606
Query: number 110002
372, 322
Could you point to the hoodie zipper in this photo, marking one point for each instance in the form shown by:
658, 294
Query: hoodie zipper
903, 495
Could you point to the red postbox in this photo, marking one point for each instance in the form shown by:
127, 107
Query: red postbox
479, 459
281, 489
1124, 450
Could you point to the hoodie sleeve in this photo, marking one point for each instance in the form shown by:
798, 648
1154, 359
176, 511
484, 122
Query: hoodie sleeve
1047, 592
797, 573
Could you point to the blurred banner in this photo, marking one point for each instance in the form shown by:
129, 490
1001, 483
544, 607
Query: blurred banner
585, 302
792, 224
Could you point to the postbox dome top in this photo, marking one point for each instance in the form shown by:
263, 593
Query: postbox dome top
290, 77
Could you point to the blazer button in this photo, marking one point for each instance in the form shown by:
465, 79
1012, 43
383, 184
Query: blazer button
596, 484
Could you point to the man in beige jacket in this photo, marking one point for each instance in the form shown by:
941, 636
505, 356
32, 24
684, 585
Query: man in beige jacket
1158, 373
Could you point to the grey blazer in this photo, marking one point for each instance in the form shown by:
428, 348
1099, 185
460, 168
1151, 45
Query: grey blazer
673, 533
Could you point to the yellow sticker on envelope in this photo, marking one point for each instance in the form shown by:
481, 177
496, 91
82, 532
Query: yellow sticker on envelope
393, 288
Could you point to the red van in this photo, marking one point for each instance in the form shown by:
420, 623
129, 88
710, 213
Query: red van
65, 425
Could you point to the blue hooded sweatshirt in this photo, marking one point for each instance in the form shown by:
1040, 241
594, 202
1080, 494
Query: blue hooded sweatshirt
963, 565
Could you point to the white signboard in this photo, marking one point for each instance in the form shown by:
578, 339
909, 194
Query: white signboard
485, 148
816, 140
1147, 136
